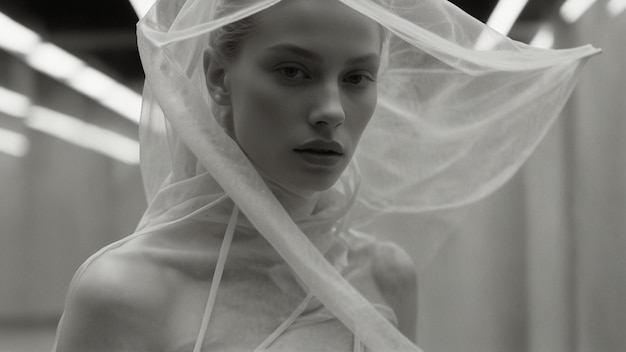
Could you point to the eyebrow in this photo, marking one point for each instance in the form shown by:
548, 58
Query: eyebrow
297, 50
300, 51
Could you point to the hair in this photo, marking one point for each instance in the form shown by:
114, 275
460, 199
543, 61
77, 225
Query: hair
226, 41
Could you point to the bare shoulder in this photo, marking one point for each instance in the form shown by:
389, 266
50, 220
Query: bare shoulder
113, 305
395, 276
119, 279
394, 273
394, 270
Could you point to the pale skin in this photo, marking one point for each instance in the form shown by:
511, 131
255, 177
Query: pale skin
110, 301
289, 85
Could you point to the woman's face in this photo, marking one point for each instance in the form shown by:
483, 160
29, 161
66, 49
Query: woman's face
302, 90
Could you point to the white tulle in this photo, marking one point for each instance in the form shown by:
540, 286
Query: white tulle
453, 123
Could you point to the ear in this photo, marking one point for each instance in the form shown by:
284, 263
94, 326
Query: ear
216, 78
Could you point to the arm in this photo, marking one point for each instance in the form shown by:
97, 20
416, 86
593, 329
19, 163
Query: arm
395, 275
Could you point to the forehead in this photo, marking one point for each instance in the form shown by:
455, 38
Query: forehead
326, 24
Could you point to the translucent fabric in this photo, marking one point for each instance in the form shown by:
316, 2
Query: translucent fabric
460, 109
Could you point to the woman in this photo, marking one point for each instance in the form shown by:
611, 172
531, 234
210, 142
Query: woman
253, 111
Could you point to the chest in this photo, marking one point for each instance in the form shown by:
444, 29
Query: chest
262, 309
255, 316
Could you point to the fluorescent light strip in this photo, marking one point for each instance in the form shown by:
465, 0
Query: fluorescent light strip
502, 19
13, 143
615, 7
122, 100
505, 14
80, 133
107, 92
14, 104
65, 67
17, 38
141, 6
54, 61
544, 38
91, 82
65, 127
572, 10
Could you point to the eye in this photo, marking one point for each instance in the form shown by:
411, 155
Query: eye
359, 79
293, 73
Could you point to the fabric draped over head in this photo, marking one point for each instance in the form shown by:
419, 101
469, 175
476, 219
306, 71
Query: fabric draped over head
460, 109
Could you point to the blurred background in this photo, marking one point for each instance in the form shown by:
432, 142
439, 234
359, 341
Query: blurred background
539, 266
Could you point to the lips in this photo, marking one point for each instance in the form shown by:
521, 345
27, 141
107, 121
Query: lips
321, 153
321, 147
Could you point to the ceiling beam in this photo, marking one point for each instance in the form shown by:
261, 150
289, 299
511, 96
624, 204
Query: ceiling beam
94, 40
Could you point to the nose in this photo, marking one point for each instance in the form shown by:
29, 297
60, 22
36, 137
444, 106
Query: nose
328, 108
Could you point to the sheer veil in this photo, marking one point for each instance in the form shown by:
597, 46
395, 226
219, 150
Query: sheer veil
461, 107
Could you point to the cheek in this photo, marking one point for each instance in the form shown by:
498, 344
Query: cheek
260, 110
362, 110
247, 99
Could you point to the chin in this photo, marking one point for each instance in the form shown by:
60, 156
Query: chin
313, 184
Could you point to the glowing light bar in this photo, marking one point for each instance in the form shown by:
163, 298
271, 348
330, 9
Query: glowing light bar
107, 92
505, 14
615, 7
15, 37
572, 10
502, 20
54, 61
65, 127
141, 6
122, 100
14, 104
91, 82
65, 67
80, 133
13, 143
544, 38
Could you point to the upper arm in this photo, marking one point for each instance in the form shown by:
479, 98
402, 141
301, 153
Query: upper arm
109, 309
396, 277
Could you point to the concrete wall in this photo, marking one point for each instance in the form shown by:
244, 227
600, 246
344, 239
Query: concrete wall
59, 203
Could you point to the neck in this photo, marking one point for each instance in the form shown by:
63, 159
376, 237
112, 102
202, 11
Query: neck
297, 204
